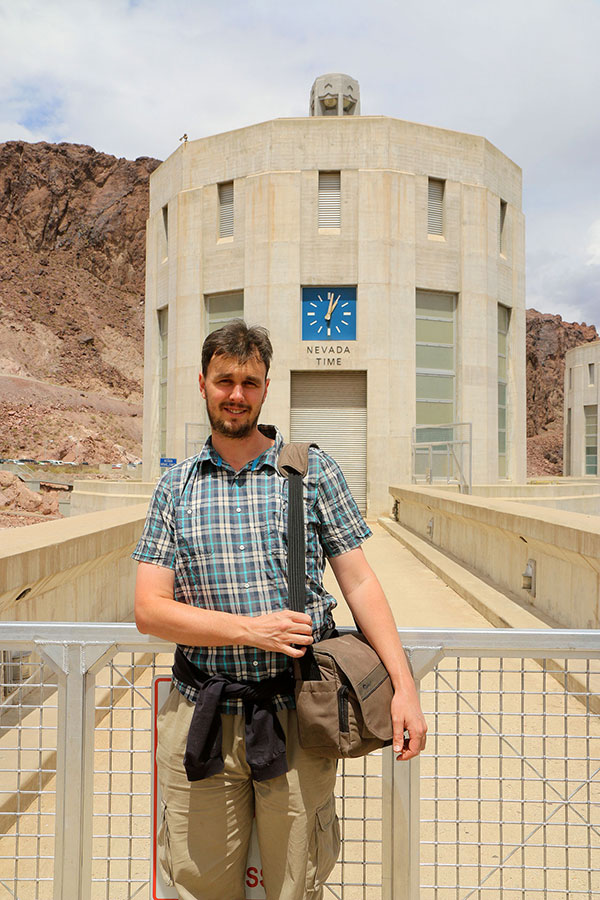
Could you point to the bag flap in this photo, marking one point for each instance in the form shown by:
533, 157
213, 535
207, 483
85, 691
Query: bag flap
294, 456
367, 675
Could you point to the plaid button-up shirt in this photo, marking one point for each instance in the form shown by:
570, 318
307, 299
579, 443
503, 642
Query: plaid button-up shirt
225, 535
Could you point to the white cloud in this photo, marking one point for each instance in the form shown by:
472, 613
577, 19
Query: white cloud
593, 247
130, 77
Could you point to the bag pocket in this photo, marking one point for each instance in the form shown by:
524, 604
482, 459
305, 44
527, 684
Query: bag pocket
326, 842
163, 849
318, 716
343, 708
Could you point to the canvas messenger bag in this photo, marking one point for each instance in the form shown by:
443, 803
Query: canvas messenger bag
343, 691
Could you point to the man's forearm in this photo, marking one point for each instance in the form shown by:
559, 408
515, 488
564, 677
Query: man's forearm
370, 608
374, 616
158, 613
190, 625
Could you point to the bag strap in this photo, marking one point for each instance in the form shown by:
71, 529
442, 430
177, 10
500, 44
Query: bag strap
293, 465
296, 545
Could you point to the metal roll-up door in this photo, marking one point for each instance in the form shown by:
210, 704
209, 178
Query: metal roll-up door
330, 408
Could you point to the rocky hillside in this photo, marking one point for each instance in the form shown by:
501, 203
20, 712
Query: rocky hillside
72, 247
548, 339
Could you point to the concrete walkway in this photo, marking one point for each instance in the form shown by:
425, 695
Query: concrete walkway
418, 597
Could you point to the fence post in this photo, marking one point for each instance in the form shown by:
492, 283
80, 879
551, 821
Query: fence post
74, 765
401, 805
400, 828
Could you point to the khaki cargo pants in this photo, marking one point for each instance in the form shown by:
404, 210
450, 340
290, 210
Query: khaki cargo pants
203, 840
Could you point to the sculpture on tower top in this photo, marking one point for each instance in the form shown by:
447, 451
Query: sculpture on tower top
335, 94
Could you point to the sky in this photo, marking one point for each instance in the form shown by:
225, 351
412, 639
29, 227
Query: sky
129, 77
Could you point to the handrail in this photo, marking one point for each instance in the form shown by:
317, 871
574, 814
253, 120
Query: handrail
497, 642
462, 478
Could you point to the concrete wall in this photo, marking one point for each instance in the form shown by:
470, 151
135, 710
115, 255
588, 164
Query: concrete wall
571, 494
586, 503
94, 496
580, 392
73, 570
382, 247
552, 487
496, 539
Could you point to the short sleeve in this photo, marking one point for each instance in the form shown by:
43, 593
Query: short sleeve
342, 526
157, 543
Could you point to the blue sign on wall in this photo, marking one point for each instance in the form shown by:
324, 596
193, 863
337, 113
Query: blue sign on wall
166, 461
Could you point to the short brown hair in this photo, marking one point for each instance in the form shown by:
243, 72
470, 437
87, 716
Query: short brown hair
237, 340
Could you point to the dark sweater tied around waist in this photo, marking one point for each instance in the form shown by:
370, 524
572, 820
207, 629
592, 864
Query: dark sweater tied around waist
265, 739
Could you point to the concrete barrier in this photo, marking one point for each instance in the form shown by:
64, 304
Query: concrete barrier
94, 496
589, 504
77, 569
558, 487
497, 538
580, 495
571, 494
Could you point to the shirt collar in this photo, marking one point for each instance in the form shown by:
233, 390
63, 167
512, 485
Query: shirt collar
268, 458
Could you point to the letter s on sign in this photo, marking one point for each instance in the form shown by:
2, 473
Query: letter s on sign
252, 877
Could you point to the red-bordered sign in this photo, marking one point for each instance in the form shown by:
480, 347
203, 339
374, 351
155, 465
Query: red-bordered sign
161, 686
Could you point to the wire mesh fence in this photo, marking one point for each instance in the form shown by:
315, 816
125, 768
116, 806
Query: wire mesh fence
507, 803
510, 782
122, 774
122, 792
359, 793
28, 760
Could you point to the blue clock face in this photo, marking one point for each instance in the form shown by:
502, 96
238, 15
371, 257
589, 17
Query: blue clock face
329, 314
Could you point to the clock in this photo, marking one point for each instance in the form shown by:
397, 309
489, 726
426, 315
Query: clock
329, 314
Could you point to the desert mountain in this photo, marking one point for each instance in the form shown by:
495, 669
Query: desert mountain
72, 247
548, 339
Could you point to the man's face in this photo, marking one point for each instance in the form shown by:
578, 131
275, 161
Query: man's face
234, 394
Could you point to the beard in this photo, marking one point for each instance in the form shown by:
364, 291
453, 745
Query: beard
230, 428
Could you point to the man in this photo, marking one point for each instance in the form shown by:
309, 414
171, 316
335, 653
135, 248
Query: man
213, 579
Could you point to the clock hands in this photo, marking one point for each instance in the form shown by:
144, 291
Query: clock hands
329, 313
331, 309
332, 306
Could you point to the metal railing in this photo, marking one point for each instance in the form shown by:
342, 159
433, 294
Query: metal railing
504, 801
443, 453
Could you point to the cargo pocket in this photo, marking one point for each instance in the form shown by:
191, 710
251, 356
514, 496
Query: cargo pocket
324, 846
163, 846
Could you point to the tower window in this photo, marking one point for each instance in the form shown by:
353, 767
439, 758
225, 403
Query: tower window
435, 206
435, 376
330, 201
503, 331
164, 233
502, 229
163, 340
567, 468
226, 209
591, 439
222, 308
